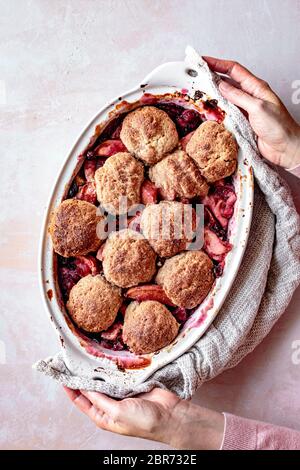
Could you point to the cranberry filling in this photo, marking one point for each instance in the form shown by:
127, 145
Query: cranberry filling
110, 147
90, 166
116, 345
226, 194
218, 268
89, 169
87, 265
149, 193
180, 313
87, 193
186, 120
112, 131
216, 248
113, 333
211, 111
212, 223
71, 270
67, 279
220, 201
73, 190
112, 338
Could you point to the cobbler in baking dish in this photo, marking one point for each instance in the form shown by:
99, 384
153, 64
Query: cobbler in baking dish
133, 288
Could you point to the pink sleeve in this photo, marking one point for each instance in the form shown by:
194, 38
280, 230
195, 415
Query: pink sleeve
246, 434
295, 171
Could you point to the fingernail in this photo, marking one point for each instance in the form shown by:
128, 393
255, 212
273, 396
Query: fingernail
224, 85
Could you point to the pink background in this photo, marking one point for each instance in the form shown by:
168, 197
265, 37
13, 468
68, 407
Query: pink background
61, 61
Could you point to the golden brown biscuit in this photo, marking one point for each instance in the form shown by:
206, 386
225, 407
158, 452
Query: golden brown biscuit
148, 327
73, 228
128, 259
149, 133
187, 278
168, 226
214, 149
178, 173
94, 303
121, 176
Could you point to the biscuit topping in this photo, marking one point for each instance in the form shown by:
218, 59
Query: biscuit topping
149, 133
132, 284
178, 173
118, 183
73, 228
128, 259
215, 151
148, 327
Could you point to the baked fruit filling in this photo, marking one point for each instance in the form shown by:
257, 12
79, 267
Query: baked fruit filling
132, 288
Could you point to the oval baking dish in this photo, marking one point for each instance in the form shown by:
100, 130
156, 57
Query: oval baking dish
171, 81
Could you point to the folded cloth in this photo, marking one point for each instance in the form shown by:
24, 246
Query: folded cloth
268, 276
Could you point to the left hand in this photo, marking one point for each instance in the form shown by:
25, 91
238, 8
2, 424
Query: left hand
158, 415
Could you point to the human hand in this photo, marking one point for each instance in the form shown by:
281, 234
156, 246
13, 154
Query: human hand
158, 415
278, 134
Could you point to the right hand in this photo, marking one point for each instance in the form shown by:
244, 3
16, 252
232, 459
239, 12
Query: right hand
278, 134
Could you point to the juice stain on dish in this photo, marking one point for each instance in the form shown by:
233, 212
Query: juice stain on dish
50, 294
203, 314
125, 362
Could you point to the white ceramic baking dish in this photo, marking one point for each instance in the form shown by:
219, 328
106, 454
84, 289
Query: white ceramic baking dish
168, 78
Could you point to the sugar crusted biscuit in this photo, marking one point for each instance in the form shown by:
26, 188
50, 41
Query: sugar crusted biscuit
148, 327
128, 259
94, 303
214, 149
119, 181
169, 226
73, 228
187, 278
178, 173
149, 133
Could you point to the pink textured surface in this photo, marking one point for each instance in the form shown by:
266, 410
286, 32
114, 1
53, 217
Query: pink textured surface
61, 61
